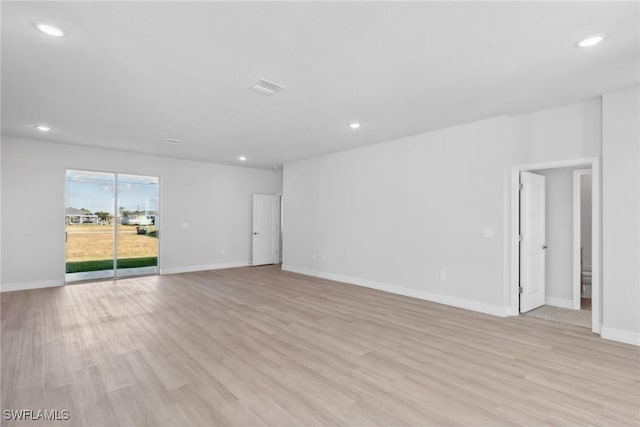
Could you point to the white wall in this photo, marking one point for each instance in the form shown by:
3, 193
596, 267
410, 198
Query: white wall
559, 236
621, 215
277, 181
569, 132
394, 215
206, 208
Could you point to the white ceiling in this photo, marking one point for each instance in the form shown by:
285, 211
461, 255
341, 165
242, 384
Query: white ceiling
130, 74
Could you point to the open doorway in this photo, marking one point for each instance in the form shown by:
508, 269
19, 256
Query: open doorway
556, 247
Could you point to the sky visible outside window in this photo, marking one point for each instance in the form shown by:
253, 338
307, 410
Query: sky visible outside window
95, 191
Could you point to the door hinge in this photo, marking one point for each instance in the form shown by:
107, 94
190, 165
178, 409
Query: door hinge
519, 289
519, 237
520, 186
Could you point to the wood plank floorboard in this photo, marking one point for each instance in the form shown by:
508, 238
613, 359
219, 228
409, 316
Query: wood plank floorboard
257, 346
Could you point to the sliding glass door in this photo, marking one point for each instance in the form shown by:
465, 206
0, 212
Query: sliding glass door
111, 225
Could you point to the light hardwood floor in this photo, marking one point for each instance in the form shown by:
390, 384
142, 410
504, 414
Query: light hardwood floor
258, 346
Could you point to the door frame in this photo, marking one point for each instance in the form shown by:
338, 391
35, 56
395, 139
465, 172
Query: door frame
577, 235
596, 289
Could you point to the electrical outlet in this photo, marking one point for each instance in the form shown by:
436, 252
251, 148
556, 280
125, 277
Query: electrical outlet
443, 275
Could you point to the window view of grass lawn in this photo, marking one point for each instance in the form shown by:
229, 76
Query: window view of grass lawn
90, 247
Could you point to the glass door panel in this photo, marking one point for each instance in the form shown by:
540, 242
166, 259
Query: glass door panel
89, 232
137, 225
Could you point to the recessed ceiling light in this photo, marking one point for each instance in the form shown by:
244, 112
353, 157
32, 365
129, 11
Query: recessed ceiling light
242, 158
354, 125
43, 128
591, 40
49, 29
172, 141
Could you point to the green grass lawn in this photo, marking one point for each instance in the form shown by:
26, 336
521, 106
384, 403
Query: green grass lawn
83, 266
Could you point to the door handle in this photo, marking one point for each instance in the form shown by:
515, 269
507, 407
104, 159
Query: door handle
254, 233
544, 246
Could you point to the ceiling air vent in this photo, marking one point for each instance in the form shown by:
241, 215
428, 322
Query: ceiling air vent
266, 87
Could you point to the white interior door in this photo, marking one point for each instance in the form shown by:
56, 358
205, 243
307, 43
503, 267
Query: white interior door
266, 229
532, 244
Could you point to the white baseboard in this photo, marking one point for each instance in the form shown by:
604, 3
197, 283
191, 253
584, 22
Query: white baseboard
620, 335
192, 268
23, 286
399, 290
559, 302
